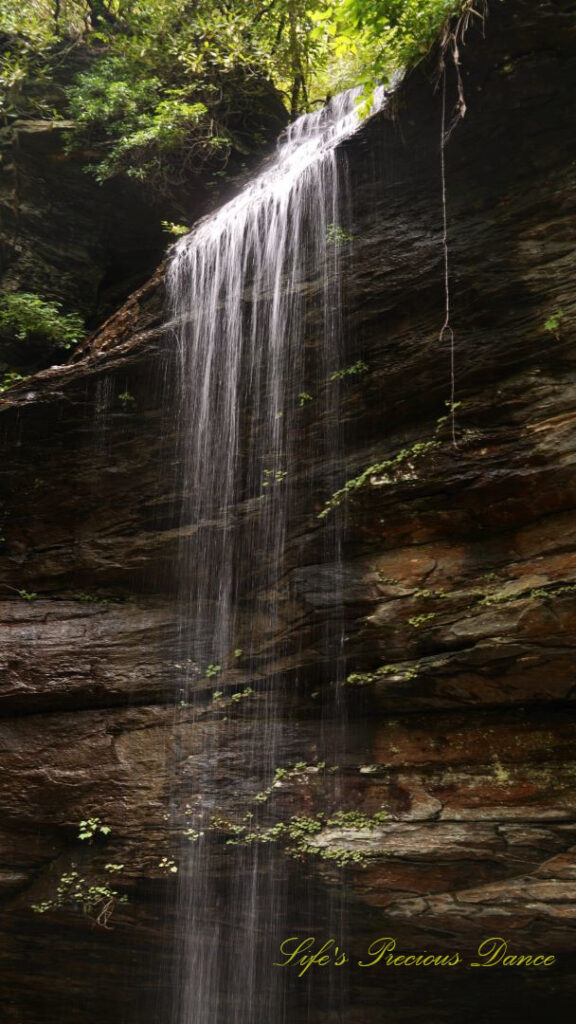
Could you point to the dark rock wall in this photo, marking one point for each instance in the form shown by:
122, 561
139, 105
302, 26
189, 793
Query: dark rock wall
62, 234
460, 598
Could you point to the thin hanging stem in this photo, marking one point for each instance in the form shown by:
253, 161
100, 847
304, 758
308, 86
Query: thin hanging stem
446, 329
454, 34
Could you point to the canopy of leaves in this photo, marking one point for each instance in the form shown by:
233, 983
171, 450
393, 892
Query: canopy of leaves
168, 81
399, 33
317, 40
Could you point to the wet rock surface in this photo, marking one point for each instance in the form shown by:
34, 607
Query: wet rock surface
459, 610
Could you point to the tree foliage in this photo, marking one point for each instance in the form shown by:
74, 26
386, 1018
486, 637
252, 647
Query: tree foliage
164, 86
399, 33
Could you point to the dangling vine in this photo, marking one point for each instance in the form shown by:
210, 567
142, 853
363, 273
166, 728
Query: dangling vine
446, 328
453, 34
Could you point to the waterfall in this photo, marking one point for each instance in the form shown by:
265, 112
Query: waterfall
248, 289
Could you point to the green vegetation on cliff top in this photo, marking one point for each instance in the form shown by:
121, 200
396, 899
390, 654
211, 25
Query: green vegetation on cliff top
161, 87
162, 91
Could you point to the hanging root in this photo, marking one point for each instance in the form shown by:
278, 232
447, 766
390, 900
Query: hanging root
446, 330
105, 911
454, 36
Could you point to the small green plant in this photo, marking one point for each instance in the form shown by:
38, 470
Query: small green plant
246, 692
362, 678
95, 900
296, 835
498, 598
304, 397
175, 229
444, 420
126, 398
356, 820
168, 865
420, 620
537, 593
192, 834
554, 323
273, 476
27, 595
238, 652
385, 671
378, 470
337, 235
27, 315
299, 771
224, 702
501, 774
10, 378
212, 671
90, 828
350, 371
114, 869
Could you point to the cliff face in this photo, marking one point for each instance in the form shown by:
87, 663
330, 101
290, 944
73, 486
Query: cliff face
460, 588
64, 235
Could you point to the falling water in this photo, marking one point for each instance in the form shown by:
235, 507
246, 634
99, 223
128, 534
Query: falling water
249, 288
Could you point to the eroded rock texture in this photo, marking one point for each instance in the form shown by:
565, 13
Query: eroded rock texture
459, 580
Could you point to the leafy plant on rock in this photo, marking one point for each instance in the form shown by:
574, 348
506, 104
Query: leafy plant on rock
350, 371
554, 323
10, 378
96, 900
90, 828
26, 316
299, 836
379, 472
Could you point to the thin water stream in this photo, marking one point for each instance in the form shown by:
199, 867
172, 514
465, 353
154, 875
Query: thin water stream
246, 287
